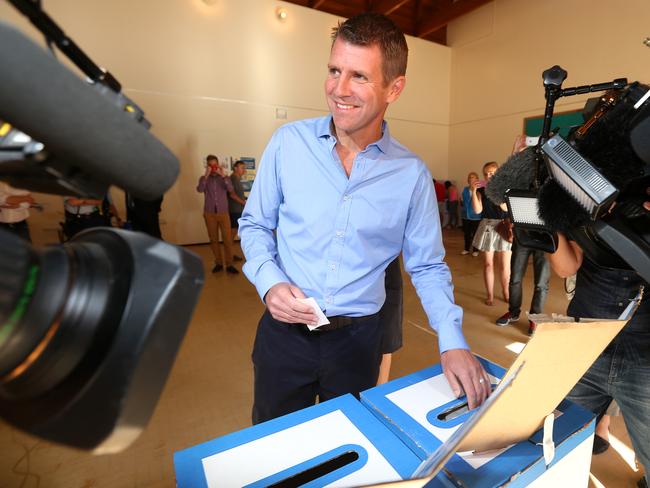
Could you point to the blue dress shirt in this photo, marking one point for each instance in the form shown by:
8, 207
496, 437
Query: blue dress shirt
307, 223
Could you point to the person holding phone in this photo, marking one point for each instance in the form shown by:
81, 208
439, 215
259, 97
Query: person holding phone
487, 239
470, 219
216, 188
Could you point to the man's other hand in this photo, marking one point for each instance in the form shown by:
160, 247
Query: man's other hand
465, 374
281, 300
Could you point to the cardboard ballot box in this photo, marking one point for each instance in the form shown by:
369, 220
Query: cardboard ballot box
341, 438
423, 412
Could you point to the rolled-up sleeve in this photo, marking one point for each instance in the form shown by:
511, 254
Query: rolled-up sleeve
259, 221
424, 261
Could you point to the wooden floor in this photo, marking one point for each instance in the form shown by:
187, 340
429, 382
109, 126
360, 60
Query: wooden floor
209, 392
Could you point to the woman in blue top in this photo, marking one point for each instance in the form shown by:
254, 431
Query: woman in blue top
469, 217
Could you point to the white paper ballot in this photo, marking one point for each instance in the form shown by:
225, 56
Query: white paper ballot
322, 320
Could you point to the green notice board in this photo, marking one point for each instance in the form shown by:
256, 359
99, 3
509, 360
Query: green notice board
564, 120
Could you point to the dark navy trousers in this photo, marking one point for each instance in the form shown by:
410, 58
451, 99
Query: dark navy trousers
293, 366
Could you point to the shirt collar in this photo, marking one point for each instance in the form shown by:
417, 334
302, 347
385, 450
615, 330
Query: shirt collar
324, 131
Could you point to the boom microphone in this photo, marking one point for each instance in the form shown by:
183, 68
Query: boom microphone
79, 126
517, 173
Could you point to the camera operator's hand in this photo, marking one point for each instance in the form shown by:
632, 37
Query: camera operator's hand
519, 144
281, 300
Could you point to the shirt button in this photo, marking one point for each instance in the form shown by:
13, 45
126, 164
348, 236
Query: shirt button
346, 198
328, 299
625, 278
332, 266
620, 304
339, 233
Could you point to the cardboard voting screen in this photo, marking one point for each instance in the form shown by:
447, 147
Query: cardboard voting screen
554, 360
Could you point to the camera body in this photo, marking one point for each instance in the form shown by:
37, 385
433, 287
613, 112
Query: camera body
95, 327
591, 186
597, 184
88, 330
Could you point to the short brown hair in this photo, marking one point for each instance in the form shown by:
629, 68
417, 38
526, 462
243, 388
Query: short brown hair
211, 157
369, 29
489, 164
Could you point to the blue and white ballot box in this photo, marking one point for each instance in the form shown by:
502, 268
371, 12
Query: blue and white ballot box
335, 443
423, 412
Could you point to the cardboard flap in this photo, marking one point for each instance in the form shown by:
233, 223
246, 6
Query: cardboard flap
554, 359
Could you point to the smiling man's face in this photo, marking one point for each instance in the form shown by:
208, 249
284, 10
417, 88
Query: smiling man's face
356, 93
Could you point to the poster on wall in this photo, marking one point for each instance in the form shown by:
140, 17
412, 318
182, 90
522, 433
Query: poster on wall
226, 163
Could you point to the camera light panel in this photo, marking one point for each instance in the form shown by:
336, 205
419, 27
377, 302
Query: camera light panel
578, 176
524, 210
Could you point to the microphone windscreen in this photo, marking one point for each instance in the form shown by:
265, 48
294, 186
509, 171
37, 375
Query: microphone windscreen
516, 173
559, 210
76, 123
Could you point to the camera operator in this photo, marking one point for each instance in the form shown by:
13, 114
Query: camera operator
622, 371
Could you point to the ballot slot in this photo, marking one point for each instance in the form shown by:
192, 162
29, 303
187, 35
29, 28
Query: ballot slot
323, 469
317, 471
451, 414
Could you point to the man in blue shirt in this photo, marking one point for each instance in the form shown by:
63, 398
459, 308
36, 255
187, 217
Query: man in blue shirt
335, 200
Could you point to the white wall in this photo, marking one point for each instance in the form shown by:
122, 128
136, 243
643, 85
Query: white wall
210, 78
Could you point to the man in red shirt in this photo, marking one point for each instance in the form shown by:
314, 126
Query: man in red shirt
441, 196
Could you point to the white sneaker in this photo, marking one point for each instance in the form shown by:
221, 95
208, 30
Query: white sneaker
475, 253
464, 253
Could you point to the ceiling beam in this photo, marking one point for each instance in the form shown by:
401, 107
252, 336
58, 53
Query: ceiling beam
316, 3
457, 9
387, 7
417, 12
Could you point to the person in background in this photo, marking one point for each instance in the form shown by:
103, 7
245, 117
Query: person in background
518, 265
85, 213
390, 318
470, 219
487, 239
452, 203
324, 220
14, 210
216, 187
236, 207
144, 215
441, 198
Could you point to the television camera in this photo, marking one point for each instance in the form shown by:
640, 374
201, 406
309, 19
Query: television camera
89, 329
591, 185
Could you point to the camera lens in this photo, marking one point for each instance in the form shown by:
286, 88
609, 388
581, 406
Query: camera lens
57, 308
